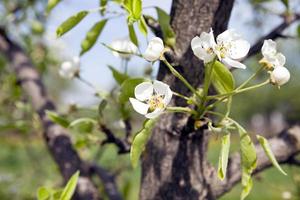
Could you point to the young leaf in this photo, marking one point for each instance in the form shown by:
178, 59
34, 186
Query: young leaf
103, 4
51, 4
132, 35
137, 9
70, 187
43, 194
84, 125
286, 3
101, 107
140, 141
164, 22
118, 76
265, 145
247, 183
92, 36
53, 116
127, 88
222, 78
143, 26
223, 159
70, 23
298, 31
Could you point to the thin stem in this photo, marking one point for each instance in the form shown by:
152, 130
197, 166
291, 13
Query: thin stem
181, 110
181, 96
85, 82
122, 52
126, 66
250, 78
179, 76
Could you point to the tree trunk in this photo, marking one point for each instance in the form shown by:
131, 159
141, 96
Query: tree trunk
174, 165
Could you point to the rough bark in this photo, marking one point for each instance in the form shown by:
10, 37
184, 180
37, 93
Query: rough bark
174, 165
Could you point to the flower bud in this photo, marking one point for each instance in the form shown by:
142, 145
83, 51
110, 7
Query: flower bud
154, 49
280, 76
70, 69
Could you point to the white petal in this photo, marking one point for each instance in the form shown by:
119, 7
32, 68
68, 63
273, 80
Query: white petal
155, 113
280, 58
232, 63
269, 48
154, 49
76, 61
202, 46
239, 49
280, 75
138, 106
143, 91
163, 89
227, 36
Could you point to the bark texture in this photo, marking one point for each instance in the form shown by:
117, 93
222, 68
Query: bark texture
174, 165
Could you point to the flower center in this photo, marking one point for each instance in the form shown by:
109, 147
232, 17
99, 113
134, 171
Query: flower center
223, 49
155, 101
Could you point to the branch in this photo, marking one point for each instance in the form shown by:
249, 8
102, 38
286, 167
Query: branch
154, 26
285, 147
275, 33
57, 140
124, 146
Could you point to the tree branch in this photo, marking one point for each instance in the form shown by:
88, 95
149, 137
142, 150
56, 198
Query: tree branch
284, 146
273, 34
57, 140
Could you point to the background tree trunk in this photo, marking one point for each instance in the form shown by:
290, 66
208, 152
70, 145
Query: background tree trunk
174, 165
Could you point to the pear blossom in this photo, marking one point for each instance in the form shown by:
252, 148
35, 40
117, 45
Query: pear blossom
123, 45
280, 75
154, 50
151, 99
69, 69
229, 47
271, 58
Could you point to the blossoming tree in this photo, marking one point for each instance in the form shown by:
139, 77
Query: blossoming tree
197, 54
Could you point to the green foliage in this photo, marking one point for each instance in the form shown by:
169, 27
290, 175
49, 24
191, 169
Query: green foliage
132, 35
127, 89
249, 158
101, 107
265, 144
92, 36
83, 125
140, 141
298, 31
70, 23
143, 26
56, 118
223, 158
285, 3
118, 76
52, 4
69, 189
222, 78
164, 22
43, 193
103, 4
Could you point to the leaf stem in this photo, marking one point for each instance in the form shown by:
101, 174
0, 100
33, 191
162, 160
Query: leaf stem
181, 110
250, 78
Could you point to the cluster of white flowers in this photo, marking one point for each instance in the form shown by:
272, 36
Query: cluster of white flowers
69, 69
229, 48
151, 99
275, 61
123, 45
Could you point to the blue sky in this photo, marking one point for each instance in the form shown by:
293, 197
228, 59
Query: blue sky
93, 63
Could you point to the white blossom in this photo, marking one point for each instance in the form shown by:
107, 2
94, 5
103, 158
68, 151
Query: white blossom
154, 49
69, 69
151, 99
123, 45
280, 75
271, 57
229, 48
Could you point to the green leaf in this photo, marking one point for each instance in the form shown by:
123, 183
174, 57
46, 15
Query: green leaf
223, 158
92, 36
70, 187
285, 3
136, 9
265, 144
118, 76
53, 116
140, 141
127, 88
164, 22
70, 23
298, 31
103, 4
128, 5
85, 125
43, 193
249, 158
222, 78
143, 26
132, 35
51, 4
101, 107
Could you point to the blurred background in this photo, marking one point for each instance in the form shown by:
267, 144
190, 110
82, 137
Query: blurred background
25, 163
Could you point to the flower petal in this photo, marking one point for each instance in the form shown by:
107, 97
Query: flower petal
280, 75
269, 48
232, 63
239, 49
228, 36
155, 113
138, 106
154, 49
143, 91
163, 89
280, 58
